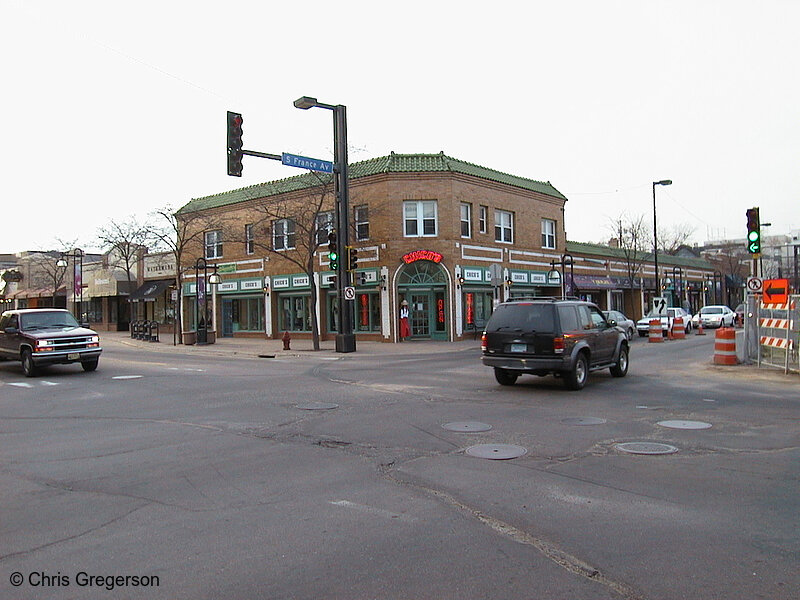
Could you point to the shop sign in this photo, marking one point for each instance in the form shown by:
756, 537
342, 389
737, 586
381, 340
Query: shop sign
538, 278
280, 282
254, 284
227, 268
300, 281
422, 255
472, 274
228, 286
519, 277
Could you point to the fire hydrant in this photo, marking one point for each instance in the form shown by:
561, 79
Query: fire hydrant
286, 339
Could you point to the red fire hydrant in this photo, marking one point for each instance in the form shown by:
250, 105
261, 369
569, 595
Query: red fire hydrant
286, 339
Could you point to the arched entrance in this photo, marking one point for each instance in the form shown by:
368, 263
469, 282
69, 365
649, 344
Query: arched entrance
423, 284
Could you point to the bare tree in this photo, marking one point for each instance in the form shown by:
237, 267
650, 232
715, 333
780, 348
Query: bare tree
126, 242
633, 241
670, 239
296, 228
181, 234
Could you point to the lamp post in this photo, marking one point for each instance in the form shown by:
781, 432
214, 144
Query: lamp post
345, 338
655, 228
566, 260
77, 278
202, 290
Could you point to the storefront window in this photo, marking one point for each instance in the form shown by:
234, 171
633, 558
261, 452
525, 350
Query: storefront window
368, 312
477, 309
295, 313
95, 310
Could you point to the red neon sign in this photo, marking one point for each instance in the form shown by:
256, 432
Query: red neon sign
422, 255
364, 310
440, 309
470, 308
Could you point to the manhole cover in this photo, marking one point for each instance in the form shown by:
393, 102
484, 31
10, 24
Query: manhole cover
466, 426
685, 424
317, 406
583, 421
496, 451
646, 448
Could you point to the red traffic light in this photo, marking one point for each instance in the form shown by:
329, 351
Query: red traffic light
235, 144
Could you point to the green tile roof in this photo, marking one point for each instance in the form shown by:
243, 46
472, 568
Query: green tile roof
394, 163
664, 259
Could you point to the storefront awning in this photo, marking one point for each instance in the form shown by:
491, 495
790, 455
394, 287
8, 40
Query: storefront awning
150, 290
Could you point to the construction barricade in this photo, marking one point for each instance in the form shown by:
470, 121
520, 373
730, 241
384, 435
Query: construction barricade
678, 329
725, 347
655, 333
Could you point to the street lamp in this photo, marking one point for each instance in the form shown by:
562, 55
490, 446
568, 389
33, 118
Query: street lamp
201, 296
77, 277
345, 338
566, 260
655, 228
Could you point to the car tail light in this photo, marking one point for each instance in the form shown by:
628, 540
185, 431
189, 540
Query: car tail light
558, 345
484, 343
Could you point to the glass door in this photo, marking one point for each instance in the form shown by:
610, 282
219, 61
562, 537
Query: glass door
420, 314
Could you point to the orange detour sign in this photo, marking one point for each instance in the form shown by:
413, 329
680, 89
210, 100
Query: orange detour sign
725, 346
775, 291
655, 333
678, 329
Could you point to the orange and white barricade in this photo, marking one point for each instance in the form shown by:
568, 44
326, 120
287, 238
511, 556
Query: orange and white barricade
678, 329
655, 333
725, 346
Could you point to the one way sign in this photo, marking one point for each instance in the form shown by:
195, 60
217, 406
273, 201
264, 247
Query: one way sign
776, 291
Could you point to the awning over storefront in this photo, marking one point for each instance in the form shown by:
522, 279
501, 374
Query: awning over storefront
150, 290
36, 293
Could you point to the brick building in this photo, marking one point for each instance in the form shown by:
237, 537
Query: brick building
450, 237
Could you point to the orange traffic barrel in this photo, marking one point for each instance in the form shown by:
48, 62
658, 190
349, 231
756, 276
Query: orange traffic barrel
725, 346
678, 329
655, 332
700, 328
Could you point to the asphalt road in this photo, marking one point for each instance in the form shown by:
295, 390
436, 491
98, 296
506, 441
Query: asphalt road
201, 471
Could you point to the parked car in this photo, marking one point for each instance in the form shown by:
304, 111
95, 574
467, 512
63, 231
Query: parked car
667, 321
716, 315
628, 325
565, 338
47, 336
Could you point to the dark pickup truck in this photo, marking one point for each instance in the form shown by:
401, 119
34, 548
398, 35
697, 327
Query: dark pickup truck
47, 336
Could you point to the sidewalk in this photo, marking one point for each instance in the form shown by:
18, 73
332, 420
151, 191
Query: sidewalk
254, 347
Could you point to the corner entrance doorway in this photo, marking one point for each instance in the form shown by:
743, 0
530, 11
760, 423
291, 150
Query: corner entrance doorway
424, 285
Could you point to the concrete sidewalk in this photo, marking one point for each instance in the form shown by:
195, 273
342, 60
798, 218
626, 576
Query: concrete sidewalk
253, 347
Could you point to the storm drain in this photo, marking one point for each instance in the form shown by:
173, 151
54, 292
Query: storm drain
645, 448
685, 424
466, 426
583, 421
496, 451
317, 406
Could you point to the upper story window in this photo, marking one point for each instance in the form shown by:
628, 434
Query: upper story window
283, 234
466, 220
213, 244
361, 218
420, 218
324, 226
249, 242
482, 216
548, 233
504, 226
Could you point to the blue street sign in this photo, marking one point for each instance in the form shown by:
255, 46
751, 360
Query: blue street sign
303, 162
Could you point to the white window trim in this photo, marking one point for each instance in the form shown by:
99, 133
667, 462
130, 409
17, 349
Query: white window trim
356, 211
249, 240
468, 220
216, 244
510, 225
548, 234
483, 217
285, 235
420, 220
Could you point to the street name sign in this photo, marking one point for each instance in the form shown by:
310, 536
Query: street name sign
304, 162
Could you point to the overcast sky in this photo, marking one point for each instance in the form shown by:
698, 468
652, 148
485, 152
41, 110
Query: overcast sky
114, 109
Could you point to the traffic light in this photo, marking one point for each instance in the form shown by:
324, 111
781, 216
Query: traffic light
234, 144
333, 251
352, 258
753, 231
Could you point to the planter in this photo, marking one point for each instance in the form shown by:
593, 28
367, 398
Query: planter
211, 336
189, 338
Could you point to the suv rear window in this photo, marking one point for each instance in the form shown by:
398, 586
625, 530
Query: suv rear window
527, 317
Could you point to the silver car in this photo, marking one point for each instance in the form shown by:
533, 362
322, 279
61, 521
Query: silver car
627, 325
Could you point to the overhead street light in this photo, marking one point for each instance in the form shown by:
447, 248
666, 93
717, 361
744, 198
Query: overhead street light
345, 338
655, 228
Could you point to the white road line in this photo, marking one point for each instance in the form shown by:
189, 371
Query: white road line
49, 383
374, 511
22, 384
127, 377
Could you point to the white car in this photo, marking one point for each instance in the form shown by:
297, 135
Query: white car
643, 325
717, 315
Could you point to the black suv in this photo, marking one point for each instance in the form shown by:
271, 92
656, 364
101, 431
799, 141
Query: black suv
543, 336
47, 336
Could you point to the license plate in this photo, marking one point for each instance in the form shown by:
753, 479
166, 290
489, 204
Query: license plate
519, 347
73, 356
